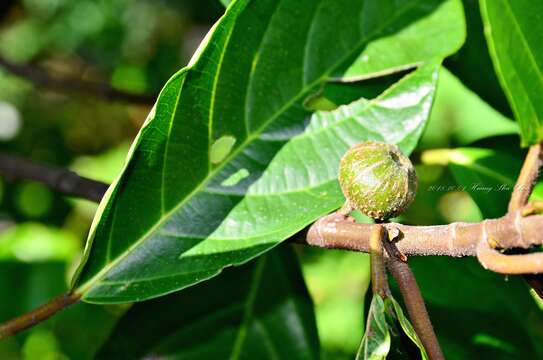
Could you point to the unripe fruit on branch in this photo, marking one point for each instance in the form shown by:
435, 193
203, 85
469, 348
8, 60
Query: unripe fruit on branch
377, 179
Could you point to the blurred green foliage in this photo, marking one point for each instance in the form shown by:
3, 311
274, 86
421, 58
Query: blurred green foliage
131, 45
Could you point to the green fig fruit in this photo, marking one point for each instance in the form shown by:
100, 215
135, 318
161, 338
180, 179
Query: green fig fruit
377, 179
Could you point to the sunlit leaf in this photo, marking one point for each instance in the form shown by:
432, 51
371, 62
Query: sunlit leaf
439, 33
170, 221
513, 29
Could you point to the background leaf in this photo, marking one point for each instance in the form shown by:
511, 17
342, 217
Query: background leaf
438, 34
472, 63
32, 284
460, 117
35, 242
487, 175
162, 227
337, 281
513, 30
477, 313
260, 310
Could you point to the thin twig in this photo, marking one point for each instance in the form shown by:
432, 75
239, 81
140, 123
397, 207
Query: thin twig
42, 78
526, 179
61, 180
37, 315
519, 198
415, 304
492, 259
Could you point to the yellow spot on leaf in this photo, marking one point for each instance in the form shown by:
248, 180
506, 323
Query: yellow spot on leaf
221, 148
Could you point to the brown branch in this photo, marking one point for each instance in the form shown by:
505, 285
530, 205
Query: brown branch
415, 305
456, 239
37, 315
42, 78
493, 260
58, 179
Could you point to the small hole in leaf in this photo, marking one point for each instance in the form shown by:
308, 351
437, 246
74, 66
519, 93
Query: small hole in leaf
235, 178
221, 148
319, 103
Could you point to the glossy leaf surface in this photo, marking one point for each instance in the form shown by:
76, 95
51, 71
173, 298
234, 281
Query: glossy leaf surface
259, 310
514, 34
230, 162
438, 33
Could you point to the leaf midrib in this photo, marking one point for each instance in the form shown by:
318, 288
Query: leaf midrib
249, 309
249, 139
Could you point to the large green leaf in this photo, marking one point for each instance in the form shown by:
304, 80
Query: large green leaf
439, 33
513, 29
260, 310
230, 162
